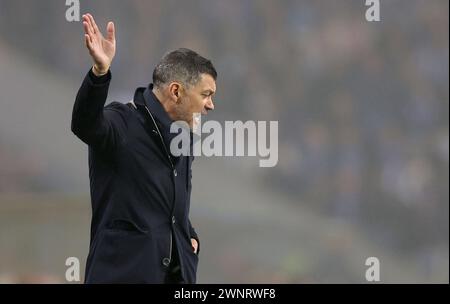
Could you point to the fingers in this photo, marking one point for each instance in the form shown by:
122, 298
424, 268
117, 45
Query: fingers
88, 36
88, 42
89, 28
194, 245
93, 24
111, 32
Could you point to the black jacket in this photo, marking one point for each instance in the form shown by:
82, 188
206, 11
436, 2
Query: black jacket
140, 197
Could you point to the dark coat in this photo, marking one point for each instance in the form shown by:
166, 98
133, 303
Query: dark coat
140, 198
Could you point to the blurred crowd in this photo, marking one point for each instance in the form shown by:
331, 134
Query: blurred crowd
362, 107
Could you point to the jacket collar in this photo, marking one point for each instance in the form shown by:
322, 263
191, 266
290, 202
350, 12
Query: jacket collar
144, 97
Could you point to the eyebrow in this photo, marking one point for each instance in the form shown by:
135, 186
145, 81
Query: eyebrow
208, 91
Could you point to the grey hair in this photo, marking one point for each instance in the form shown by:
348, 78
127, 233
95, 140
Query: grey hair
183, 65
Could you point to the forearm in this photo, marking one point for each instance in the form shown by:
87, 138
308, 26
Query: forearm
89, 103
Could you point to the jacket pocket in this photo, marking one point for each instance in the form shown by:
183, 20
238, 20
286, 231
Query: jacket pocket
127, 225
125, 254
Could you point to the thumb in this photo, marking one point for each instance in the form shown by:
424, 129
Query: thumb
110, 32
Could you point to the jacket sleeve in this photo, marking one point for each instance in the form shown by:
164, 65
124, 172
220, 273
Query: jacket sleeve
192, 232
194, 236
98, 126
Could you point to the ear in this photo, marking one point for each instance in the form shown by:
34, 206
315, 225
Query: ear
174, 91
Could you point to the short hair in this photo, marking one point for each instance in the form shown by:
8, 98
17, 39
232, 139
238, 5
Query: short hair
183, 65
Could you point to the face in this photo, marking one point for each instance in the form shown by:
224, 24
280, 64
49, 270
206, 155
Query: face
195, 99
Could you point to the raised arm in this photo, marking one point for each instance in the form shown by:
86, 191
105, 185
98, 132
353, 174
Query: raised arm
96, 125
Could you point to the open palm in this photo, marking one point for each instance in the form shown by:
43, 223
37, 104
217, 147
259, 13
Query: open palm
101, 49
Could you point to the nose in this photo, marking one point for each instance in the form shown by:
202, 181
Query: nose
209, 105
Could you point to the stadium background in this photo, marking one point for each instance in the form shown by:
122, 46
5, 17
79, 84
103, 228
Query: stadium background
363, 122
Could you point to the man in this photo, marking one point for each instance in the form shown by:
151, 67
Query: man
140, 192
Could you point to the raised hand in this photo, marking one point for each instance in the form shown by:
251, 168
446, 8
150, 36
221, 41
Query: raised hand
101, 49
